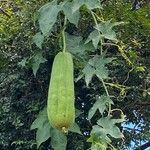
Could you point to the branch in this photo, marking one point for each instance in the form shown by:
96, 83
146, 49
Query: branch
144, 146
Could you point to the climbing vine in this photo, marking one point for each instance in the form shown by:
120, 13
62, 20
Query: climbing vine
109, 42
94, 65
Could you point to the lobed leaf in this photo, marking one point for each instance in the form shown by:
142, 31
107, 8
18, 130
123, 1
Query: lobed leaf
58, 140
96, 66
43, 133
106, 29
43, 127
95, 37
101, 104
48, 16
40, 120
73, 17
107, 126
36, 60
38, 39
75, 128
88, 72
76, 45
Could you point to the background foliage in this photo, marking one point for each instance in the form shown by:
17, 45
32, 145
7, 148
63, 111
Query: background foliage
25, 72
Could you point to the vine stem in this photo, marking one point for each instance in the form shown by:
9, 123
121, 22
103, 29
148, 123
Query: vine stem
107, 93
117, 110
63, 34
120, 49
101, 51
104, 87
96, 23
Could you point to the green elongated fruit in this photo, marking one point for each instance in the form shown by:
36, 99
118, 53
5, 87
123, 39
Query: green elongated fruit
60, 107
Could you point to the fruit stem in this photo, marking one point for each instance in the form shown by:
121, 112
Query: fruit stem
64, 130
63, 34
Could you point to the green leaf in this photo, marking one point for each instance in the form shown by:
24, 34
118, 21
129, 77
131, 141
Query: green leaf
75, 128
88, 3
94, 147
119, 120
140, 68
23, 62
101, 70
38, 39
76, 45
36, 60
101, 104
95, 37
88, 72
78, 112
97, 143
106, 29
40, 120
43, 127
72, 42
106, 126
43, 133
96, 66
98, 146
73, 17
58, 140
99, 62
48, 16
